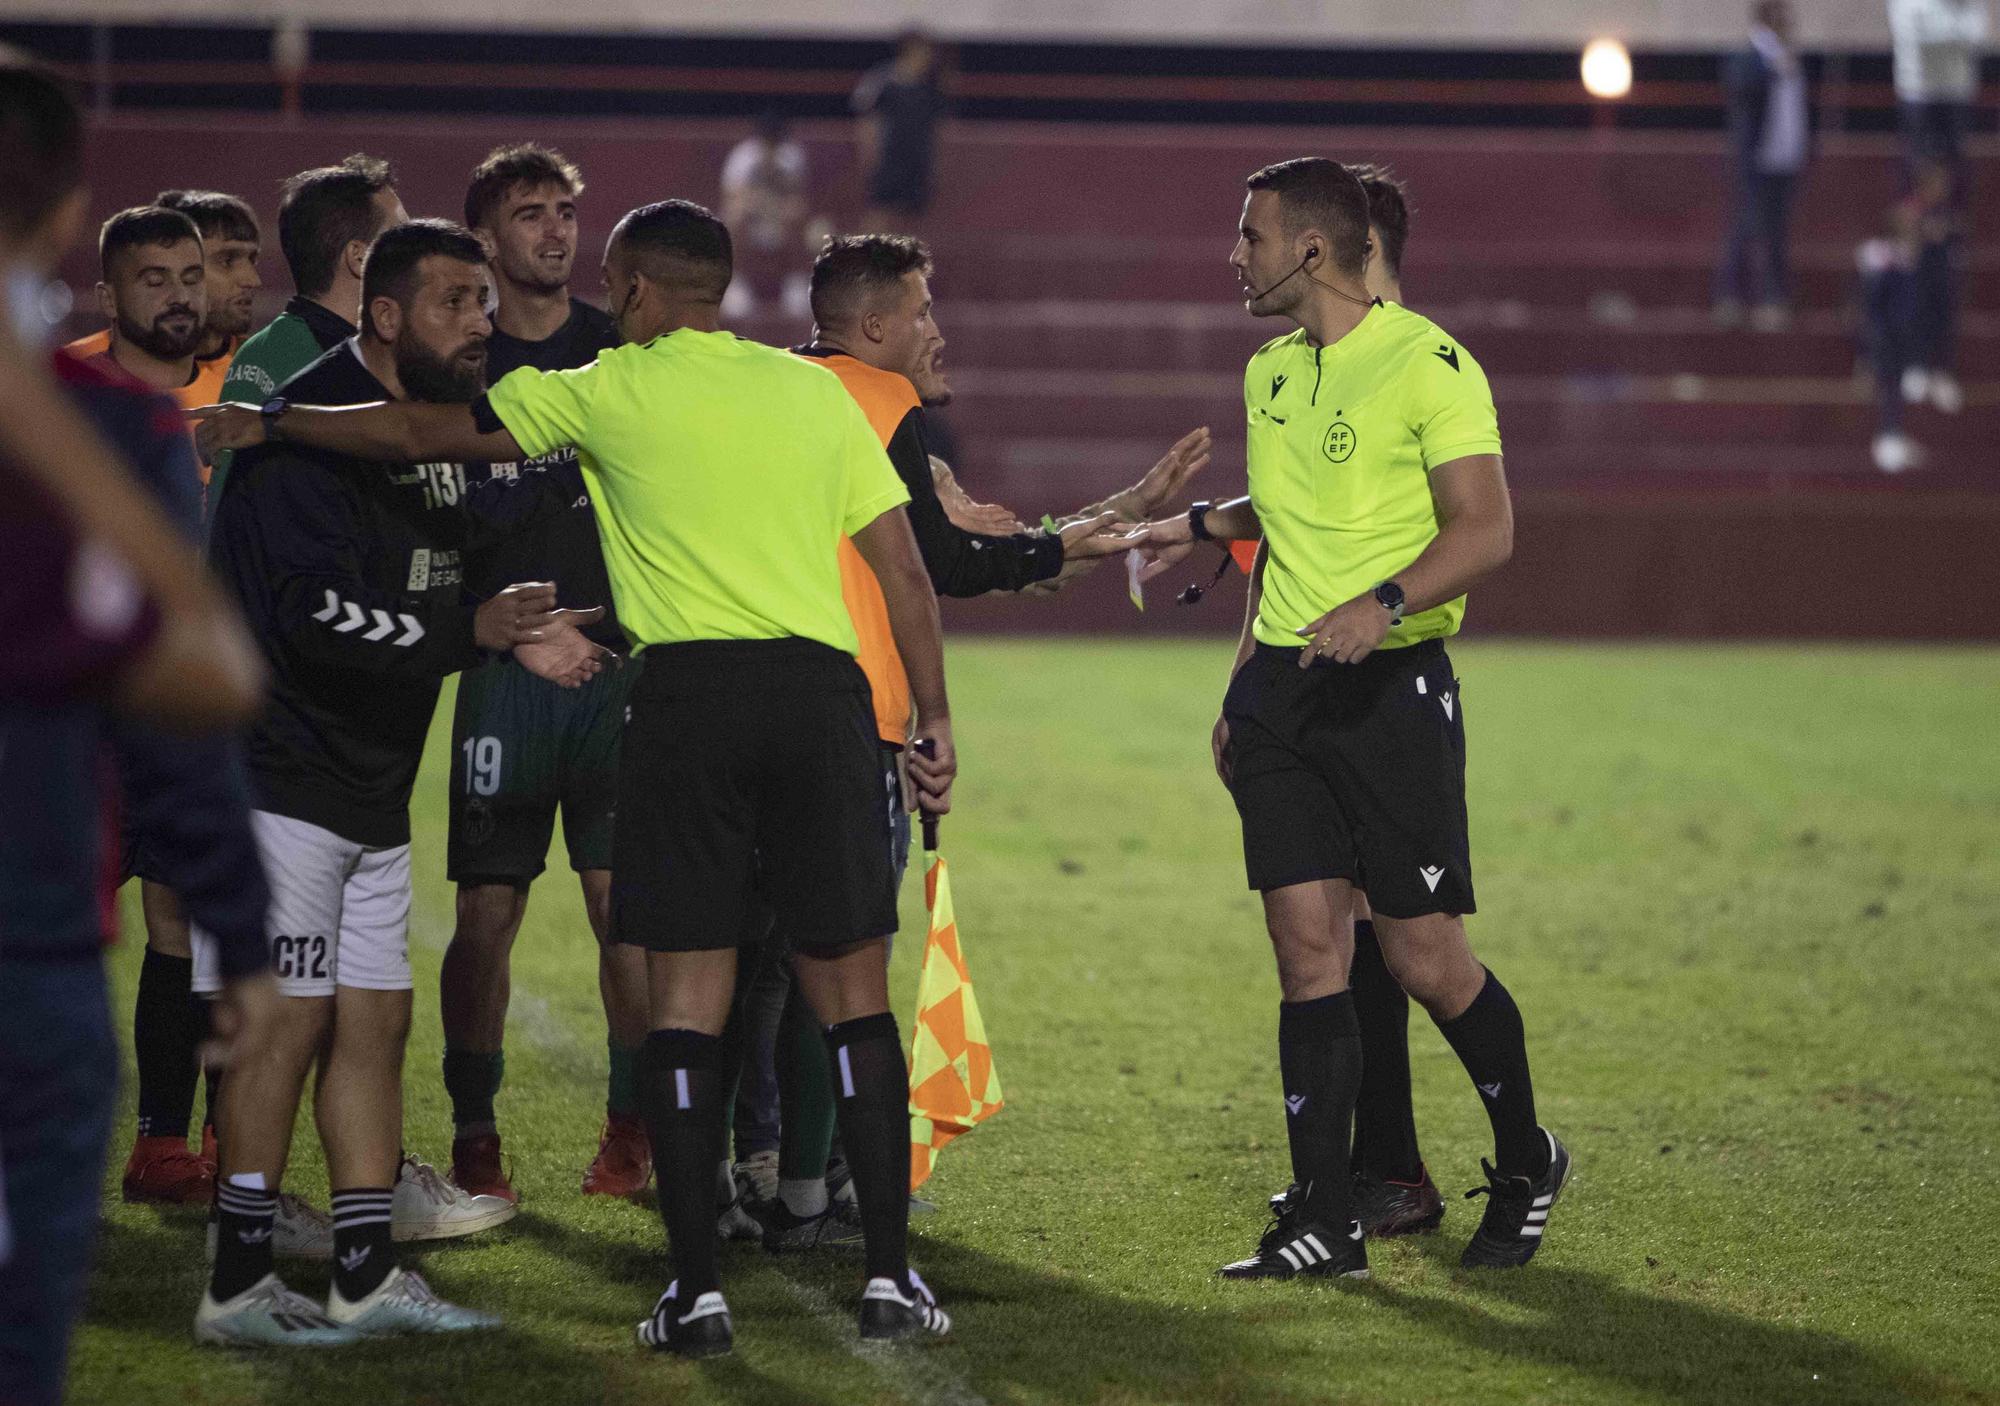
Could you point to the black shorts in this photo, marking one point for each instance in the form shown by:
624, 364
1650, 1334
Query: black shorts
1356, 772
750, 780
522, 747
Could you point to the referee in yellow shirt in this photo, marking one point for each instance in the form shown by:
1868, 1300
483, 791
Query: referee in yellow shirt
725, 473
1376, 483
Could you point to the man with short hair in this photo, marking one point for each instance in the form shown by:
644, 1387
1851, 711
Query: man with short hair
725, 476
351, 571
876, 331
1393, 1193
327, 218
168, 1025
522, 748
1376, 481
153, 288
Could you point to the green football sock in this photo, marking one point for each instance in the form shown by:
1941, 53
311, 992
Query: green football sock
805, 1093
621, 1090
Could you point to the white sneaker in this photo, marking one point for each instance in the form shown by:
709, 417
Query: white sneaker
757, 1177
403, 1303
1916, 385
427, 1207
267, 1314
1896, 452
1946, 394
299, 1231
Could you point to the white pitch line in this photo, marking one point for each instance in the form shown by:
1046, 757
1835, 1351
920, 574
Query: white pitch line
915, 1374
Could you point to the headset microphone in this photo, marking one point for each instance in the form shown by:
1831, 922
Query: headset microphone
1311, 254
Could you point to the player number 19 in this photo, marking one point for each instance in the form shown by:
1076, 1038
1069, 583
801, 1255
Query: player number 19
482, 765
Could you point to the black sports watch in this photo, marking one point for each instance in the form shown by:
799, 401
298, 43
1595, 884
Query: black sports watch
272, 410
1389, 596
1198, 520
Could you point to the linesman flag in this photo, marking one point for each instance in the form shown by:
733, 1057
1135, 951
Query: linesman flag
952, 1084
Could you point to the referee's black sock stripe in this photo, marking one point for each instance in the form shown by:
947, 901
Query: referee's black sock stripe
680, 1095
1319, 1057
1385, 1123
871, 1084
1491, 1042
167, 1027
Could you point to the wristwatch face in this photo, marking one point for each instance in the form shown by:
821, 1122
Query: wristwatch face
274, 406
1390, 597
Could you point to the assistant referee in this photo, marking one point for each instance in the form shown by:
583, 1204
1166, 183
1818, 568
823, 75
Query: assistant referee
725, 474
1376, 483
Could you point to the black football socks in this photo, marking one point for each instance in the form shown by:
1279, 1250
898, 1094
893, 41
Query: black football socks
871, 1085
1385, 1123
1319, 1058
362, 1254
1490, 1042
167, 1028
680, 1091
245, 1216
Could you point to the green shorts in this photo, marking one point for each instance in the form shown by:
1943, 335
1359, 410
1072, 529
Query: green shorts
520, 748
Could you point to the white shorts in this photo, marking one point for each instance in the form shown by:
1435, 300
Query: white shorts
340, 912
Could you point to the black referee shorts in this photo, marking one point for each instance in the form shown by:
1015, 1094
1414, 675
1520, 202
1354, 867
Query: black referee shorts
1356, 772
750, 786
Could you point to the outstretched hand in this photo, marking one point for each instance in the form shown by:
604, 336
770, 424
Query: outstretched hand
563, 654
1086, 539
226, 427
1160, 544
1162, 483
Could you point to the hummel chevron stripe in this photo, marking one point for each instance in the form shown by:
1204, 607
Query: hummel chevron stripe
355, 617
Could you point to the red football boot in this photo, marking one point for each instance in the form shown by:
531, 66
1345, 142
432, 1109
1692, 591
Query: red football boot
624, 1161
476, 1169
162, 1169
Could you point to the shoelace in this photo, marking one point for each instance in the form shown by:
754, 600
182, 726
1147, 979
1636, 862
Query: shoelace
1511, 1195
433, 1183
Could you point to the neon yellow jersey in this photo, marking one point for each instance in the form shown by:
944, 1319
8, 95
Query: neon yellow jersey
1342, 441
725, 473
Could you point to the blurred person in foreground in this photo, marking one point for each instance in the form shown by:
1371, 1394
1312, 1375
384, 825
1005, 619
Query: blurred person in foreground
764, 182
1937, 47
875, 328
127, 626
898, 106
1770, 131
523, 748
1345, 746
751, 746
327, 218
352, 571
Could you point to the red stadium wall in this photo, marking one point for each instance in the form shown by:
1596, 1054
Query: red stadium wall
1671, 478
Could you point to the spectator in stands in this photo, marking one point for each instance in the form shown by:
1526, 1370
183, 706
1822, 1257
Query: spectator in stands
1888, 266
899, 105
1937, 226
1770, 128
1937, 46
764, 205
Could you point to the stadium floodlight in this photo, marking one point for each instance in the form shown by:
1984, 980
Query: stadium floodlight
1607, 69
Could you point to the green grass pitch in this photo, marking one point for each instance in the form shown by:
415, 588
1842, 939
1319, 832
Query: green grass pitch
1749, 899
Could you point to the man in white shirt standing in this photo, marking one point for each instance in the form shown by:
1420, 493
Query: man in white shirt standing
1937, 45
1770, 130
